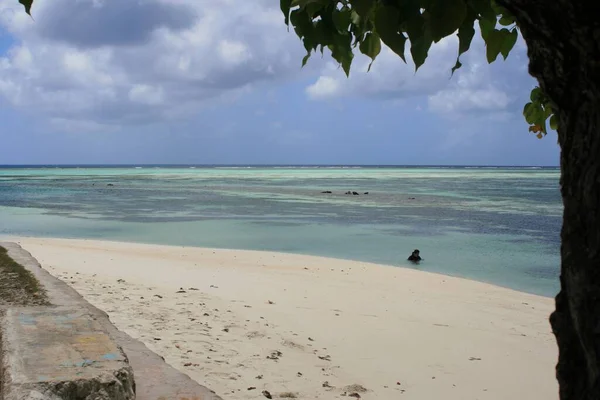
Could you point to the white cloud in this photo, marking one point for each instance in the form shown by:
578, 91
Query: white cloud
146, 94
389, 77
233, 52
476, 87
89, 60
325, 86
465, 99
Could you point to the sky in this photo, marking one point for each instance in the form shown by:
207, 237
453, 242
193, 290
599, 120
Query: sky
220, 82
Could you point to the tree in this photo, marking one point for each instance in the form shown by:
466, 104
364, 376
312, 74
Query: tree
563, 40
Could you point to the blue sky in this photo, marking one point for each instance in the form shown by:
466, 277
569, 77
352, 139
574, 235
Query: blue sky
210, 82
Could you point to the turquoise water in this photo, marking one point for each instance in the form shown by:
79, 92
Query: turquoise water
490, 224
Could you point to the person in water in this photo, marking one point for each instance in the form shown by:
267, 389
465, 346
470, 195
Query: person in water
415, 257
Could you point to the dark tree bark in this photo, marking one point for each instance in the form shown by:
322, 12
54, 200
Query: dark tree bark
563, 40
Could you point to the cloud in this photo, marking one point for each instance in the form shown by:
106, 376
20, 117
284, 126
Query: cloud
95, 23
389, 77
460, 100
132, 62
476, 87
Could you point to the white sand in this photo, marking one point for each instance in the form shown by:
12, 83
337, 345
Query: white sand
399, 333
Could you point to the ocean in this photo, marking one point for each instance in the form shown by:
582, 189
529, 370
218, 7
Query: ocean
492, 224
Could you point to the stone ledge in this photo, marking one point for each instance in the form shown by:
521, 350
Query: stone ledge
154, 378
61, 353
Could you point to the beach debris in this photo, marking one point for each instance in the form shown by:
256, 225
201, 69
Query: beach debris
325, 358
181, 291
251, 388
120, 280
206, 314
259, 377
226, 330
415, 257
355, 395
299, 374
288, 395
193, 288
271, 302
157, 338
474, 359
188, 364
326, 385
213, 286
267, 394
398, 383
158, 295
311, 339
355, 388
275, 355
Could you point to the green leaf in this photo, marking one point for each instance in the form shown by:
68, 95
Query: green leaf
493, 44
536, 116
506, 20
284, 4
363, 7
304, 3
386, 25
341, 51
354, 17
486, 27
510, 38
547, 111
28, 3
456, 66
553, 122
536, 94
371, 46
419, 48
466, 33
529, 112
445, 17
342, 19
484, 9
305, 59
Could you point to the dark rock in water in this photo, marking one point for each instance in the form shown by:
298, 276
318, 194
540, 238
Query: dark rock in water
366, 192
348, 192
411, 198
415, 257
110, 184
327, 192
355, 193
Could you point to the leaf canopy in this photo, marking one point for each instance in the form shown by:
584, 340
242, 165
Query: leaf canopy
343, 25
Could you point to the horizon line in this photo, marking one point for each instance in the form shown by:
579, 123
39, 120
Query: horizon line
272, 165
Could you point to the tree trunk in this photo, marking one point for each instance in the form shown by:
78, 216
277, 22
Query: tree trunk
563, 40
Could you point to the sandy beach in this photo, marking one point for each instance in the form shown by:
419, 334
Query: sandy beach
244, 322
